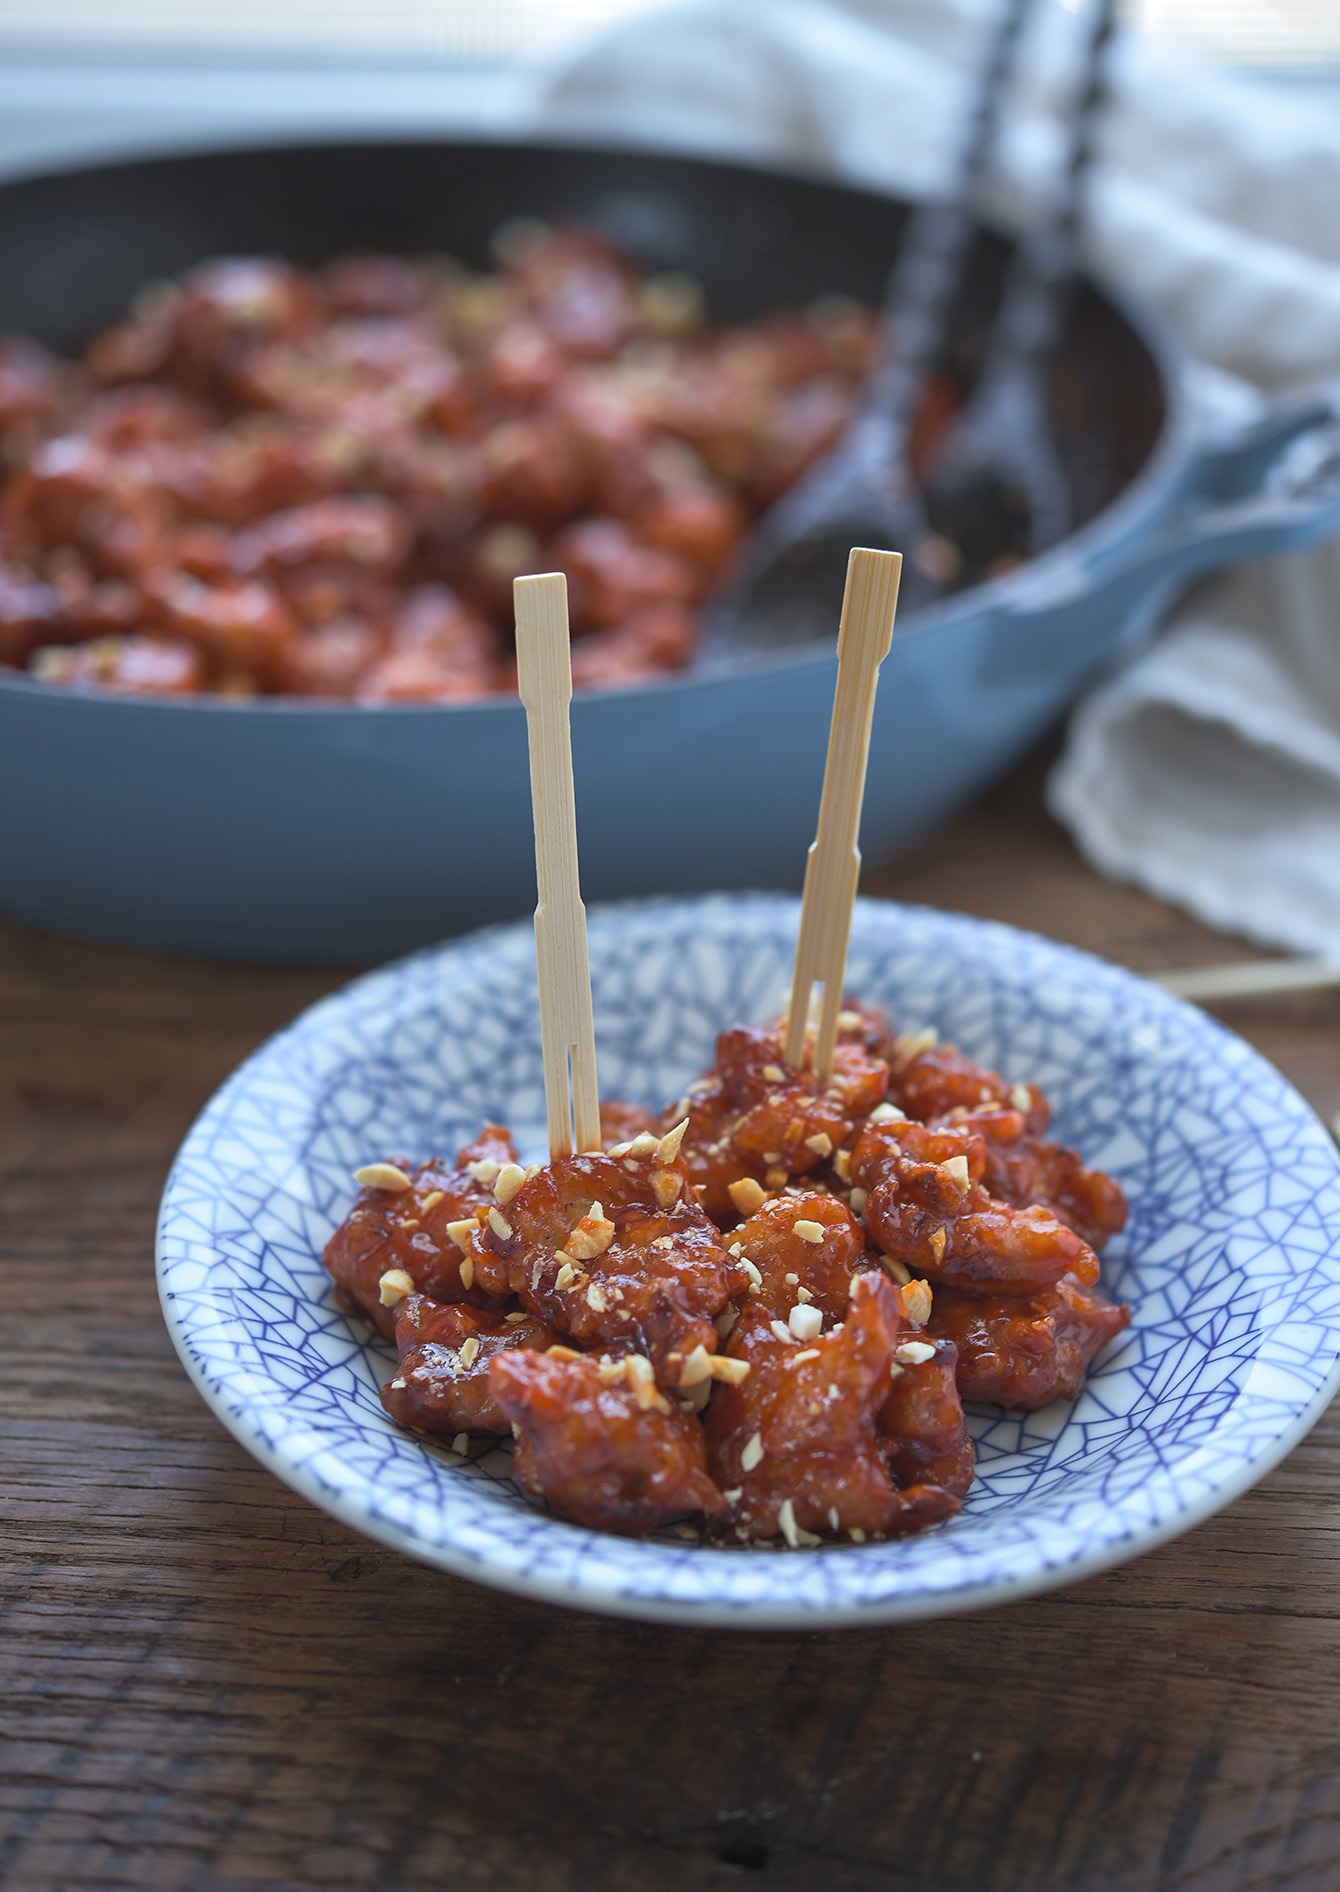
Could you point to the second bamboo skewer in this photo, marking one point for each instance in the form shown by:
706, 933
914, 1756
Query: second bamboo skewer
833, 868
567, 1030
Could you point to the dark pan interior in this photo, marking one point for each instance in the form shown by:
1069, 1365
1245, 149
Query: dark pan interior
75, 247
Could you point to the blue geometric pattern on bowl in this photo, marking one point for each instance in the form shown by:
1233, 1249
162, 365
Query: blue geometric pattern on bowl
1231, 1259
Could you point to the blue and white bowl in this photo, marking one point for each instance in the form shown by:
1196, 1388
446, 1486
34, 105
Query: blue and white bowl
1231, 1259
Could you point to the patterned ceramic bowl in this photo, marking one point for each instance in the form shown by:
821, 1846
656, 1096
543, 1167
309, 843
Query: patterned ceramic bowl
1231, 1259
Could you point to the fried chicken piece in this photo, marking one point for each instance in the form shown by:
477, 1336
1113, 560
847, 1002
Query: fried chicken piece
398, 1236
613, 1251
921, 1421
804, 1250
1019, 1353
751, 1117
926, 1207
442, 1381
937, 1084
604, 1448
795, 1445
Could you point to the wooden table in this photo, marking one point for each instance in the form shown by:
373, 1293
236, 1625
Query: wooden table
206, 1684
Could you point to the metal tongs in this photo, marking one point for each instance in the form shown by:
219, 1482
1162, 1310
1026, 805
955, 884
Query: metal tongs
996, 488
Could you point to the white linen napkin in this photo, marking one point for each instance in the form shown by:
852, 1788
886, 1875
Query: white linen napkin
1208, 770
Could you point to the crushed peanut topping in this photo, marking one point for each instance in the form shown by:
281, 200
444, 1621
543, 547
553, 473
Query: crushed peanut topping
774, 1073
914, 1352
806, 1353
696, 1368
388, 1176
734, 1497
957, 1171
752, 1454
809, 1231
467, 1272
1021, 1097
842, 1164
509, 1179
592, 1235
668, 1147
805, 1322
857, 1200
431, 1201
729, 1372
913, 1043
726, 1320
752, 1271
558, 1352
394, 1285
611, 1371
642, 1379
856, 1535
821, 1143
500, 1225
887, 1113
834, 1522
666, 1185
595, 1298
939, 1240
898, 1270
781, 1331
776, 1177
848, 1021
772, 1156
399, 1385
469, 1351
895, 1371
747, 1194
803, 1294
461, 1444
516, 1319
566, 1275
916, 1300
460, 1232
484, 1171
786, 1518
643, 1144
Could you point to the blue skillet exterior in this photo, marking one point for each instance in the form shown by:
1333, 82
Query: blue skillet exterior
283, 830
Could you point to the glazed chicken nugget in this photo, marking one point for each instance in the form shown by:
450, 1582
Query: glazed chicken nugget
601, 1445
1023, 1168
926, 1207
803, 1249
1019, 1353
410, 1230
930, 1079
613, 1251
921, 1421
795, 1445
442, 1381
751, 1119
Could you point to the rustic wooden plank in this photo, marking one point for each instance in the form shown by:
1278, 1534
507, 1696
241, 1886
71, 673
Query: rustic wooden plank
207, 1684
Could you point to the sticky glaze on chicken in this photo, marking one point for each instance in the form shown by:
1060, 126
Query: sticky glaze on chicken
323, 482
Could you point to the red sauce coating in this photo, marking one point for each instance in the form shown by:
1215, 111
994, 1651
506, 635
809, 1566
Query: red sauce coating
689, 1324
323, 482
1024, 1353
588, 1447
802, 1430
442, 1381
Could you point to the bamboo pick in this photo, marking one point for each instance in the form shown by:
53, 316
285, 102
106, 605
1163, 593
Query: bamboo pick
567, 1031
833, 867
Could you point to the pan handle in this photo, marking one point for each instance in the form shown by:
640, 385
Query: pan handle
1270, 486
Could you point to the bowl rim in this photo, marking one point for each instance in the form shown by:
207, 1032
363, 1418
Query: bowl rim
1221, 1489
1009, 594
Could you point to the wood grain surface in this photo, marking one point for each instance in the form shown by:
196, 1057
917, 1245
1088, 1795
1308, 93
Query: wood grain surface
206, 1684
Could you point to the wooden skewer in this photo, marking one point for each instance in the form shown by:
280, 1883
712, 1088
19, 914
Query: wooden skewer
833, 867
567, 1030
1247, 979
